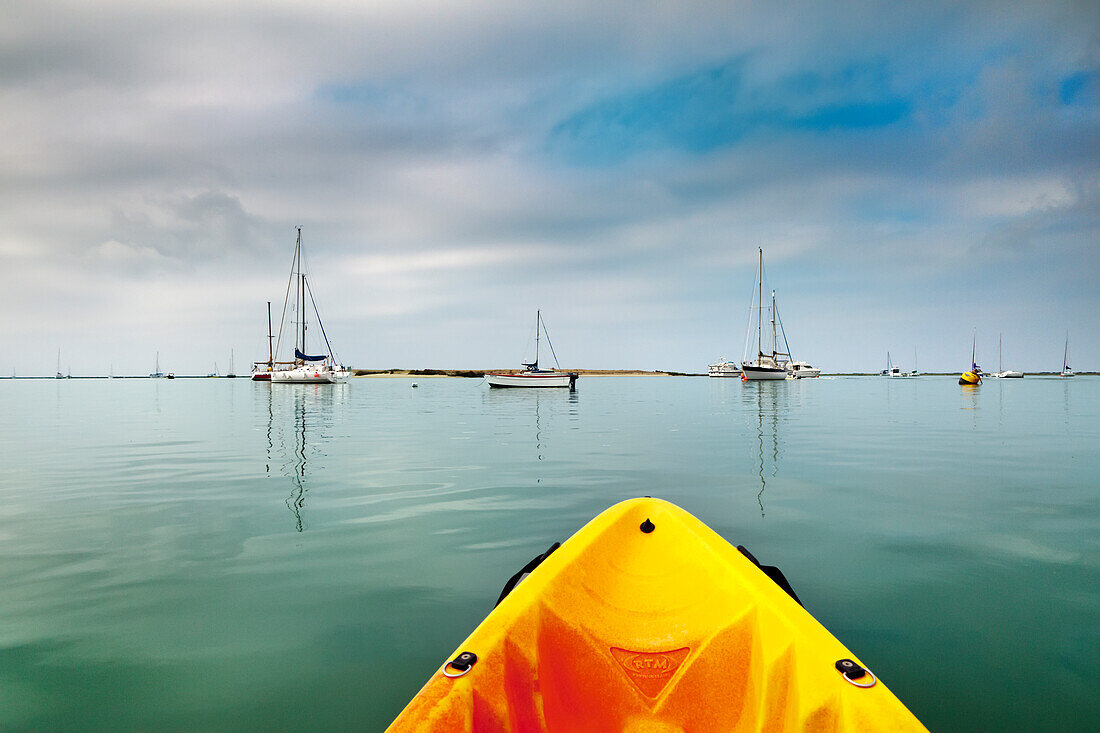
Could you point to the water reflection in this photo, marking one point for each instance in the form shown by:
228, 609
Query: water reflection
762, 402
539, 406
299, 421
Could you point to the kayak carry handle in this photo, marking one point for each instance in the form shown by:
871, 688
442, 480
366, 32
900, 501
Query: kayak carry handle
772, 572
534, 563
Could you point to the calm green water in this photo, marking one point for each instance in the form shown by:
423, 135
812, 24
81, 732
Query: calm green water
218, 554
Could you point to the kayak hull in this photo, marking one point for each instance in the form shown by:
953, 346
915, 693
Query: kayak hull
646, 620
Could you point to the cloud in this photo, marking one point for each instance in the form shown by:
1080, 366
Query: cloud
617, 162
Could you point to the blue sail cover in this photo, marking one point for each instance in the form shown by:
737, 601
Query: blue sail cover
307, 357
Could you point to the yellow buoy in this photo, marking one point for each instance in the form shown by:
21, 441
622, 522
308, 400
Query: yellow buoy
970, 378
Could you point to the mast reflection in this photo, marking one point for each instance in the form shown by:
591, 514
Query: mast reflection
762, 399
298, 422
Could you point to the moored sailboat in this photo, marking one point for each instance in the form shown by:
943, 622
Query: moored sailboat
1067, 371
261, 370
320, 369
1003, 373
766, 366
532, 375
157, 373
974, 376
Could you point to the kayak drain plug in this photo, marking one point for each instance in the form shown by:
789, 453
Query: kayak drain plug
647, 526
463, 663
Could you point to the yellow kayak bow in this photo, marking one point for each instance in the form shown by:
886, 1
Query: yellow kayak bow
647, 620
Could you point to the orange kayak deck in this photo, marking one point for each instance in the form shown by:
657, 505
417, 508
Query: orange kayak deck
666, 630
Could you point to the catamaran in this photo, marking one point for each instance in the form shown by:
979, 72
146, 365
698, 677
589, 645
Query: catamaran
1004, 373
766, 366
1067, 371
320, 369
532, 376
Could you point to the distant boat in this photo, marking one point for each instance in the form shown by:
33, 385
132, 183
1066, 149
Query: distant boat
892, 370
802, 370
215, 372
59, 374
765, 366
231, 374
914, 373
724, 368
1003, 373
157, 373
1066, 370
261, 370
974, 376
307, 369
532, 376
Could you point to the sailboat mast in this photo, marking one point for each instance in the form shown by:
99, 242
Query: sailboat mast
300, 295
774, 342
1000, 352
760, 303
538, 325
270, 339
974, 351
1065, 355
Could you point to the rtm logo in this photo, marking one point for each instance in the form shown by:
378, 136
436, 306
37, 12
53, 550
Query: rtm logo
651, 663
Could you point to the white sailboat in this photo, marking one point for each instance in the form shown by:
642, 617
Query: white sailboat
1067, 371
157, 373
766, 366
322, 369
261, 370
532, 376
59, 374
1004, 373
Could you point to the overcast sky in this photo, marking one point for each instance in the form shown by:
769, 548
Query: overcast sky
911, 170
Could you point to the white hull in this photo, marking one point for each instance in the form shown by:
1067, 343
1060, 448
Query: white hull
1009, 374
533, 379
755, 373
724, 369
1066, 373
802, 370
309, 375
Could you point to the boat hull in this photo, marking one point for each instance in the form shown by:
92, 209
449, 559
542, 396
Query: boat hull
534, 379
1009, 375
302, 375
646, 619
261, 377
762, 374
727, 369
